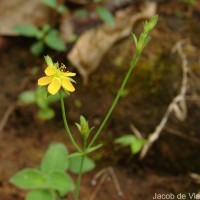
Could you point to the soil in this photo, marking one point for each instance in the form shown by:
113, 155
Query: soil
156, 80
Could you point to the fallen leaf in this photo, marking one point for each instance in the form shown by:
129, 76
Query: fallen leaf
20, 12
93, 44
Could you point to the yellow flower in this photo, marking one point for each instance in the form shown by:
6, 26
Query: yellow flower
57, 76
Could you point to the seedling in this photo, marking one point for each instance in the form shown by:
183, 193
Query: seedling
51, 180
45, 36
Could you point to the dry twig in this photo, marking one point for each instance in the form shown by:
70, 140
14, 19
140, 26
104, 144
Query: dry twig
104, 175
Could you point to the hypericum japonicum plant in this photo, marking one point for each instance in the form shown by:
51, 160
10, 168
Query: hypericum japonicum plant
58, 79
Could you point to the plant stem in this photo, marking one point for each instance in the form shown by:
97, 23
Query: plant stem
76, 192
66, 124
133, 63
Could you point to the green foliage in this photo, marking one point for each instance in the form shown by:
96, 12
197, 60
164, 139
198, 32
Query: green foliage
105, 15
29, 179
144, 37
135, 144
26, 30
53, 4
45, 36
50, 180
39, 97
75, 163
55, 159
53, 41
40, 194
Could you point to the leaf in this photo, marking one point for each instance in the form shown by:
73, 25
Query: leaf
40, 195
61, 182
46, 114
135, 39
153, 21
53, 98
29, 179
37, 48
41, 97
27, 97
55, 159
91, 149
75, 162
136, 146
53, 40
48, 60
105, 15
50, 3
125, 140
26, 30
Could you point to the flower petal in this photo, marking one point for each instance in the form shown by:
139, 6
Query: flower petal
54, 86
49, 71
67, 85
45, 80
69, 74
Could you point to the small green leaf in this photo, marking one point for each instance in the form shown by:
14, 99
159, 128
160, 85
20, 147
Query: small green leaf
61, 182
137, 145
29, 179
46, 114
53, 98
53, 40
125, 140
75, 162
50, 3
27, 97
105, 15
135, 39
37, 48
153, 21
40, 195
91, 149
41, 97
55, 159
26, 30
48, 60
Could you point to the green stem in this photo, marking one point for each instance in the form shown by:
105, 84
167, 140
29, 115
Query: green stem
133, 63
76, 192
66, 124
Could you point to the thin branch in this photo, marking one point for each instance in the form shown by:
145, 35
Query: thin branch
103, 175
180, 134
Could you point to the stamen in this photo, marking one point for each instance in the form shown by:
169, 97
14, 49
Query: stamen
63, 68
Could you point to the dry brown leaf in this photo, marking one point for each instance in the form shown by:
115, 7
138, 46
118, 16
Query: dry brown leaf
22, 12
93, 44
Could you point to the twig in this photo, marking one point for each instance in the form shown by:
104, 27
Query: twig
180, 134
178, 104
136, 131
12, 107
6, 115
104, 174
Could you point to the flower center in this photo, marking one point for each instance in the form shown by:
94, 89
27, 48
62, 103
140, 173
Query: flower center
63, 68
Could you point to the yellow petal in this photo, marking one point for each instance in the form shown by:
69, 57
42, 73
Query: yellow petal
45, 80
69, 74
54, 86
49, 71
67, 85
